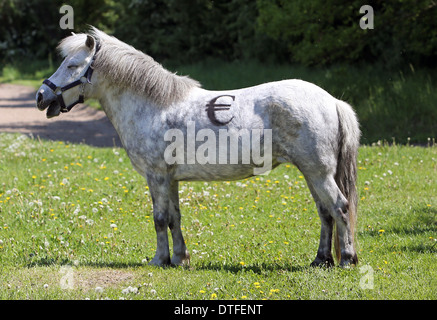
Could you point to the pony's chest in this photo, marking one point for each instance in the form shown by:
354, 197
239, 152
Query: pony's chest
143, 141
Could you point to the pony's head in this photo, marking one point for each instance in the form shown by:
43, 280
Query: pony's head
71, 82
119, 65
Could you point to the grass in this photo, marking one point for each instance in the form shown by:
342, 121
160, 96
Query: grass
399, 103
76, 222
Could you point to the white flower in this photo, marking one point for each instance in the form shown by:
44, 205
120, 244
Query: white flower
134, 290
99, 289
46, 286
153, 291
129, 290
95, 210
113, 225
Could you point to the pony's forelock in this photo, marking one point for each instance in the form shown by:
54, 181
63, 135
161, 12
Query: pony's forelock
71, 44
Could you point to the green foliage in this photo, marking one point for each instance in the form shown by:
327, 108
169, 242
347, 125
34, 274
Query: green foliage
323, 32
30, 29
301, 31
189, 30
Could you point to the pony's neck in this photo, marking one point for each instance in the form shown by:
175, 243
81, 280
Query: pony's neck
123, 105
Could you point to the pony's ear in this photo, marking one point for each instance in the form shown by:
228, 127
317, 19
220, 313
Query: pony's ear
90, 42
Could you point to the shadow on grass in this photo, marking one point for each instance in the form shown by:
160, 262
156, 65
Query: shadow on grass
210, 266
254, 268
419, 220
47, 262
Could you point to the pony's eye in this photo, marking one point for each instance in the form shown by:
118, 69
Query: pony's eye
73, 66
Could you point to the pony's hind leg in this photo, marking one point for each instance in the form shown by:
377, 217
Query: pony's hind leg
332, 207
324, 255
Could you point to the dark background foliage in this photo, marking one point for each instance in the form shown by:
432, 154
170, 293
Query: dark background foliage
309, 32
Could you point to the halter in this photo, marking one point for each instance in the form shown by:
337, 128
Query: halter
85, 78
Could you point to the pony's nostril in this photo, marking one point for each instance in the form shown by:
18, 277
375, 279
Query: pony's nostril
39, 98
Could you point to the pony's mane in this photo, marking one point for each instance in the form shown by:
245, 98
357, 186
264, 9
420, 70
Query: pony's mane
127, 67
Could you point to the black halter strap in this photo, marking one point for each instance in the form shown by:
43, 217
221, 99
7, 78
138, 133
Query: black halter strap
85, 78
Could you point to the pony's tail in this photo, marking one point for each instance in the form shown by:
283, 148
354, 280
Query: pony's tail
346, 174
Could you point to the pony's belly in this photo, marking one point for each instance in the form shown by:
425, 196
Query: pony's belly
213, 172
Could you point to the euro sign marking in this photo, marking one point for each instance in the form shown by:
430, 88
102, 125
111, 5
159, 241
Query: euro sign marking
212, 107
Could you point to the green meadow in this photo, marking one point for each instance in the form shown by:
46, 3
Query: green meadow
76, 223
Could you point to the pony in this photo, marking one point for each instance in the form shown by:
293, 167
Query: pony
168, 125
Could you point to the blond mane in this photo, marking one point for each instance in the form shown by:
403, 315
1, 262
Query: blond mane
127, 67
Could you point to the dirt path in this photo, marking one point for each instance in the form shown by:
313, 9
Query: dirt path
18, 113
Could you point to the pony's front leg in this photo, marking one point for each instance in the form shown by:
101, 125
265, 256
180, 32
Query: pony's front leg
180, 252
159, 190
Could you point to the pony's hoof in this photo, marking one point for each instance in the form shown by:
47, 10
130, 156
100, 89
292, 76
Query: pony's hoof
160, 262
348, 262
323, 262
181, 260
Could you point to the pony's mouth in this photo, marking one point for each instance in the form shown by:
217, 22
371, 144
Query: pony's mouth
53, 110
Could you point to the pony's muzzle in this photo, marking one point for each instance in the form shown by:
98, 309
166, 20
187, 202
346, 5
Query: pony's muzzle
46, 99
43, 99
40, 101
